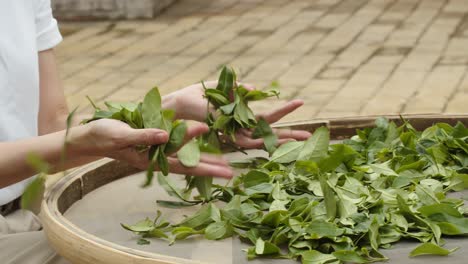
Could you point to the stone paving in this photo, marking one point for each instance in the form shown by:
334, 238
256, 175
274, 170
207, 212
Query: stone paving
342, 57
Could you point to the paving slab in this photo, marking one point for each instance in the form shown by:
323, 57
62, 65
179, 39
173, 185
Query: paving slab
342, 57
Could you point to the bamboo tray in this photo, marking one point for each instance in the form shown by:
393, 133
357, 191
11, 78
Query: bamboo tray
82, 211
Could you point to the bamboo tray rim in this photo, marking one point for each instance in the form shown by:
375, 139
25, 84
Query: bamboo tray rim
51, 215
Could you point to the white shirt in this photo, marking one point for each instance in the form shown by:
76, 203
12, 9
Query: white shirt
26, 27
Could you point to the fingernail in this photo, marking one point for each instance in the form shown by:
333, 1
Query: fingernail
229, 174
162, 136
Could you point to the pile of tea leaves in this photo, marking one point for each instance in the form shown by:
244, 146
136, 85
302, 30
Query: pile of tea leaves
230, 100
336, 203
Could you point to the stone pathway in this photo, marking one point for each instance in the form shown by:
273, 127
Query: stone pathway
342, 57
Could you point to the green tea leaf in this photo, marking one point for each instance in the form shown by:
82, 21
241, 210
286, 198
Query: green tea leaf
142, 241
383, 169
173, 204
226, 81
119, 106
426, 195
227, 109
162, 162
182, 232
176, 138
37, 163
287, 152
349, 256
339, 154
328, 196
316, 146
374, 237
170, 188
216, 97
263, 130
218, 230
255, 177
256, 95
439, 208
316, 257
189, 154
32, 192
142, 226
153, 153
92, 103
151, 109
203, 185
431, 249
265, 248
222, 122
157, 233
319, 229
205, 216
243, 115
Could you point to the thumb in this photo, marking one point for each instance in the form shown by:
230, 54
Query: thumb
148, 136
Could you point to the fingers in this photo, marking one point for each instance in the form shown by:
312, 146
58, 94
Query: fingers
211, 159
195, 129
203, 169
148, 136
279, 113
153, 136
292, 134
214, 159
284, 140
245, 140
210, 165
249, 143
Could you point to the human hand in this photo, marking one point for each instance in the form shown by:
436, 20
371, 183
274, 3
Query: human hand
190, 103
115, 139
244, 137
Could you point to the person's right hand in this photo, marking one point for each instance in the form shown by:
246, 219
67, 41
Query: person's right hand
115, 139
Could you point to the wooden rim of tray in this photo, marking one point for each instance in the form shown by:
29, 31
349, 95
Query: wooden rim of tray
78, 246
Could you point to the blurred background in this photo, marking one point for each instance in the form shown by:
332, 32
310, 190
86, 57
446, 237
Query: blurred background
342, 57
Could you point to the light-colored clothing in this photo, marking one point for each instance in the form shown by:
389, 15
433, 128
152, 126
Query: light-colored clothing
22, 241
26, 27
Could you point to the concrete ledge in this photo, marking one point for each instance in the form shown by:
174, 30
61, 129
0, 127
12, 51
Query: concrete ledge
108, 9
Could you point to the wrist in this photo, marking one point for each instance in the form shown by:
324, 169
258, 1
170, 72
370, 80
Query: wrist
77, 141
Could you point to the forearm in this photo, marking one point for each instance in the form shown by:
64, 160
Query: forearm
59, 123
49, 147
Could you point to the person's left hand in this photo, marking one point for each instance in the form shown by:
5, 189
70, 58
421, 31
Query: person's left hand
190, 103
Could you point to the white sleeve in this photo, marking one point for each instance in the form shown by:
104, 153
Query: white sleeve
47, 32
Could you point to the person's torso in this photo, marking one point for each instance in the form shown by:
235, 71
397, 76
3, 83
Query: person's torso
19, 77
